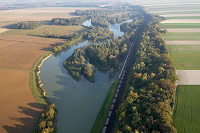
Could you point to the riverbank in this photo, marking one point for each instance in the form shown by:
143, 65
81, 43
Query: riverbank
35, 83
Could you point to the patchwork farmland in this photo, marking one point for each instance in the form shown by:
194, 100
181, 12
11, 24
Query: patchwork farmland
19, 50
183, 40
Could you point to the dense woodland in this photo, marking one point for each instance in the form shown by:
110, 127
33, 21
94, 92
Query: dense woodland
105, 56
48, 121
27, 25
149, 98
97, 33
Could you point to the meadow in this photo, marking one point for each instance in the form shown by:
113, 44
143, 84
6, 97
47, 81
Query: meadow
48, 29
185, 57
180, 25
172, 36
186, 113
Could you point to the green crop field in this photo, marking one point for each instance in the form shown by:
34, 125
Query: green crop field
180, 25
172, 36
185, 57
48, 29
186, 113
184, 17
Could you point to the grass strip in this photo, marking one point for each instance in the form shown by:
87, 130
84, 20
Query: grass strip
185, 57
34, 85
101, 118
183, 36
180, 25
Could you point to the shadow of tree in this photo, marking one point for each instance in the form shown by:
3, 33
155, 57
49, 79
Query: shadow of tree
26, 124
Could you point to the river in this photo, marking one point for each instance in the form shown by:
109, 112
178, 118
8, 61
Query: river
78, 103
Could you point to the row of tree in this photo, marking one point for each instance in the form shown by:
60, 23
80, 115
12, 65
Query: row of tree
27, 25
69, 21
71, 40
48, 121
149, 96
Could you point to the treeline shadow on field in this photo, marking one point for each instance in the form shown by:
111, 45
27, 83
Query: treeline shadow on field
28, 123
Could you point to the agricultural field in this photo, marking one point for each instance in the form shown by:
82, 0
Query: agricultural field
183, 36
48, 29
186, 113
19, 50
19, 109
183, 41
179, 25
22, 51
185, 57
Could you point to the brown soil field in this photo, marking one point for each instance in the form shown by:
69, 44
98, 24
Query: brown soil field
22, 51
19, 110
188, 77
183, 42
181, 21
183, 29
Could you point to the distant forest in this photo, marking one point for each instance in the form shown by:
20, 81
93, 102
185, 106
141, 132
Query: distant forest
27, 25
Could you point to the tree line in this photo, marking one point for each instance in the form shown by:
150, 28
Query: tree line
27, 25
69, 21
148, 100
47, 122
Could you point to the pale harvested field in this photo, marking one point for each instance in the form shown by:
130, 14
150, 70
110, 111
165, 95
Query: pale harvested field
180, 15
183, 29
37, 14
3, 30
21, 51
181, 21
188, 77
183, 42
167, 4
19, 110
175, 10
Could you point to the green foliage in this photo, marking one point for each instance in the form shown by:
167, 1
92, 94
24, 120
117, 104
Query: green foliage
104, 56
111, 15
186, 113
73, 39
27, 25
149, 99
47, 122
66, 21
97, 33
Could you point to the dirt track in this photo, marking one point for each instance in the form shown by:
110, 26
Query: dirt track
183, 42
188, 77
183, 29
19, 109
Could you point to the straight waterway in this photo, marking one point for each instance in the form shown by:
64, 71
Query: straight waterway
78, 103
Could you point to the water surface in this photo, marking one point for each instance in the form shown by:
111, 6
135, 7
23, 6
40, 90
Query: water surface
78, 103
